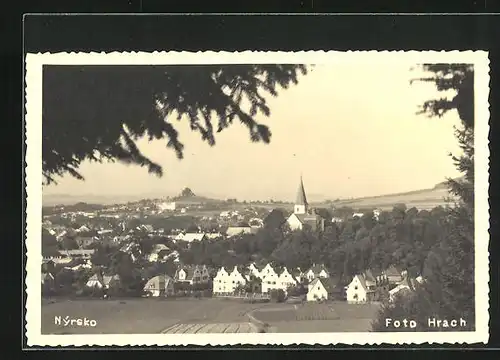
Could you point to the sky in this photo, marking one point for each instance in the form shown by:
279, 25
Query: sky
350, 131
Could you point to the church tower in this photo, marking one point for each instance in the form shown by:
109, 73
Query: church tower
301, 206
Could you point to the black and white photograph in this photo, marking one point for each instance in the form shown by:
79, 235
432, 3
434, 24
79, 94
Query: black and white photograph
257, 198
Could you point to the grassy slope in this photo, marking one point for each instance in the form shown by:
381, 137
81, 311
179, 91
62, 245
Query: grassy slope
422, 199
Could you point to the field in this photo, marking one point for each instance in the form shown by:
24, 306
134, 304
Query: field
143, 316
421, 199
329, 317
153, 316
212, 328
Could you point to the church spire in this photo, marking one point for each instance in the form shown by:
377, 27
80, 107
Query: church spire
301, 201
301, 194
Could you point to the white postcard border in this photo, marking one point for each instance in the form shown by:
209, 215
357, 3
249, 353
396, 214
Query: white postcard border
33, 82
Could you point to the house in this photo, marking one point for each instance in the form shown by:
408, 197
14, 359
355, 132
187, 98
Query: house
226, 282
323, 289
167, 206
160, 285
361, 289
159, 252
314, 272
302, 216
83, 229
255, 269
104, 231
189, 237
270, 279
85, 254
192, 274
286, 280
59, 258
222, 282
239, 277
216, 235
407, 285
394, 275
102, 281
240, 230
84, 241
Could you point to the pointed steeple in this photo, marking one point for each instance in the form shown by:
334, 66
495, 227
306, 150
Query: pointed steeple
301, 194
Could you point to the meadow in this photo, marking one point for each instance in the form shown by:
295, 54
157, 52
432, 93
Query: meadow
153, 316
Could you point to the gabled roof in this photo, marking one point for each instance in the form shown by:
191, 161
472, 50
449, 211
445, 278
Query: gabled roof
330, 285
163, 281
301, 194
317, 268
313, 283
259, 267
393, 271
371, 275
108, 278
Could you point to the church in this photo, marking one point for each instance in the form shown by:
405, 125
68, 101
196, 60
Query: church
303, 216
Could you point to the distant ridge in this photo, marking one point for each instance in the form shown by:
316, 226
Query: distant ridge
421, 199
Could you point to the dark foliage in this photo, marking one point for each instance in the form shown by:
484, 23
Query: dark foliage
98, 113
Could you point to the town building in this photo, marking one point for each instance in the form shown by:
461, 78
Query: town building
192, 274
102, 281
362, 288
226, 282
303, 216
240, 230
324, 289
160, 285
314, 272
190, 237
167, 206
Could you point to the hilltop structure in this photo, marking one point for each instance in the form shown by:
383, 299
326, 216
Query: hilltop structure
304, 216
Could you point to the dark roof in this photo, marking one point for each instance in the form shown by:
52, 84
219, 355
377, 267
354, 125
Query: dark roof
301, 194
393, 271
316, 269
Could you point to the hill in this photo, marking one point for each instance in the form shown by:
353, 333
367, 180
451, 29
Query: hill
424, 199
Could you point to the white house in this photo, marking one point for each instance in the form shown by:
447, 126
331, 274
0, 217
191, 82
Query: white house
167, 206
190, 237
286, 280
159, 252
316, 291
216, 235
101, 282
255, 270
222, 282
82, 228
314, 272
237, 277
226, 282
406, 285
270, 279
361, 289
240, 230
161, 285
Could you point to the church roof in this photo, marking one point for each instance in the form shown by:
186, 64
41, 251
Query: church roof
301, 194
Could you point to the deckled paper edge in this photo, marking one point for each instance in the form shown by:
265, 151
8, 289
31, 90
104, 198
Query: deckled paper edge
33, 83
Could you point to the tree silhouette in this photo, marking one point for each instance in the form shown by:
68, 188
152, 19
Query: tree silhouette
448, 288
187, 192
98, 113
